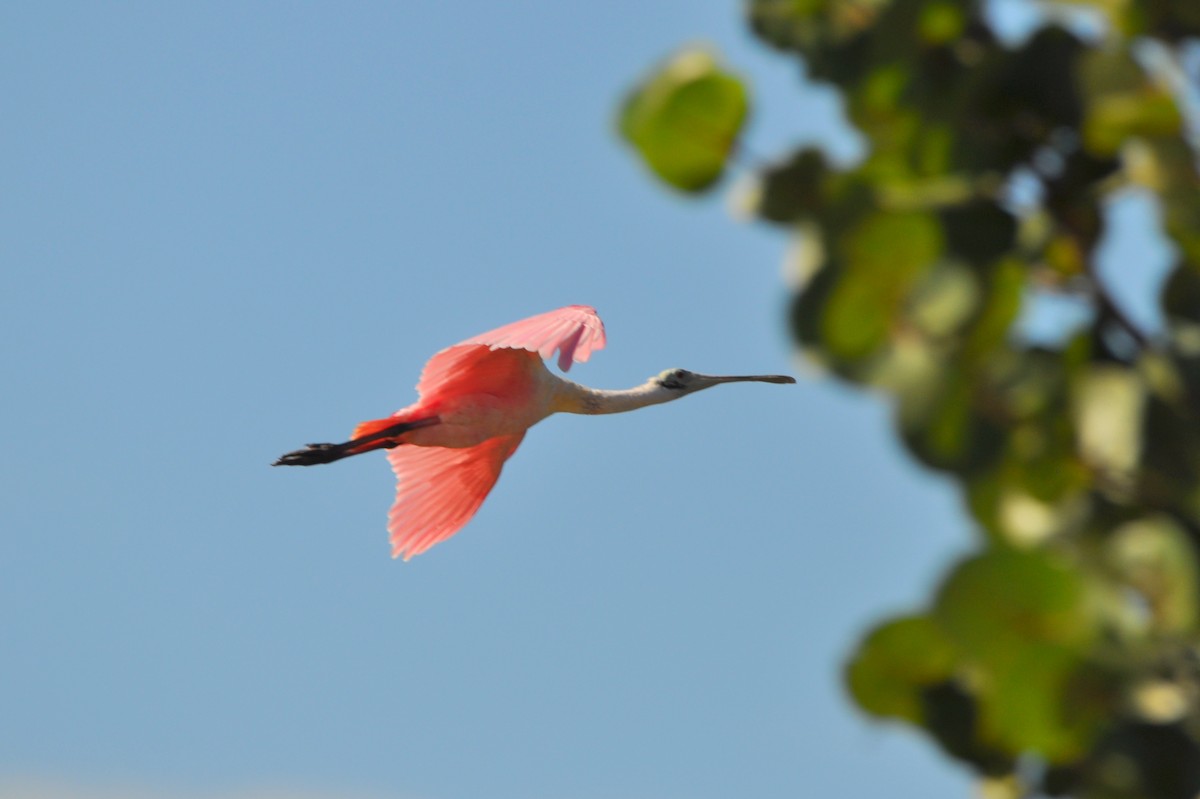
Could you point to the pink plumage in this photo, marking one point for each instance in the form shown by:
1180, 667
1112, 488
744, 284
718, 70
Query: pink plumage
439, 489
575, 331
476, 400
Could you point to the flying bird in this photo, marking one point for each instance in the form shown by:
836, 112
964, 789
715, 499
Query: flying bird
477, 399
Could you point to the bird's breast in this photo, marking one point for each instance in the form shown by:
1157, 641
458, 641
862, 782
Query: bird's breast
473, 420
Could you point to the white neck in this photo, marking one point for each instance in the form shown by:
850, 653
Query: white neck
574, 398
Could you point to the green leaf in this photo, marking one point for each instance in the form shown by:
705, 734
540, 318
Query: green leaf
1107, 411
685, 118
801, 24
1038, 491
1178, 186
1001, 304
941, 21
941, 425
883, 257
1047, 702
895, 663
1156, 558
944, 301
999, 606
1122, 103
1115, 118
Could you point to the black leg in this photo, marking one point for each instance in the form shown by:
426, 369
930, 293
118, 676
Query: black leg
314, 454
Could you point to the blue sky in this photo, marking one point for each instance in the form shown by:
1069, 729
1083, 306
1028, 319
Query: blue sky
228, 229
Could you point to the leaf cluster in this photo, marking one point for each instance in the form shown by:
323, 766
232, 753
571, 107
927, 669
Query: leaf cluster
1063, 657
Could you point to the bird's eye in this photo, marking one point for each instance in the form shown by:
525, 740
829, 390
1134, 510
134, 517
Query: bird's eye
672, 379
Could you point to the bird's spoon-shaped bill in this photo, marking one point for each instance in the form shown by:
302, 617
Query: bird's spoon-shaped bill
749, 378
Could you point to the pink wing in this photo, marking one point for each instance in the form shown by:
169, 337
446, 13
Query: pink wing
575, 331
438, 490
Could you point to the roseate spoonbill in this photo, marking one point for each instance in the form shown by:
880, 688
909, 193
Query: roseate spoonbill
477, 399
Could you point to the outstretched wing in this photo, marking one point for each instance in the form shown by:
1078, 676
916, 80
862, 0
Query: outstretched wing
575, 331
439, 489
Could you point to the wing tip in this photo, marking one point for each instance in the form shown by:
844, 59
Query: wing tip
586, 340
403, 551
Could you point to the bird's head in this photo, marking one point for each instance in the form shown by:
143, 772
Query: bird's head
685, 382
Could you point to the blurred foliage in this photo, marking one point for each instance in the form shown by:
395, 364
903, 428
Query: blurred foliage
685, 119
1063, 657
